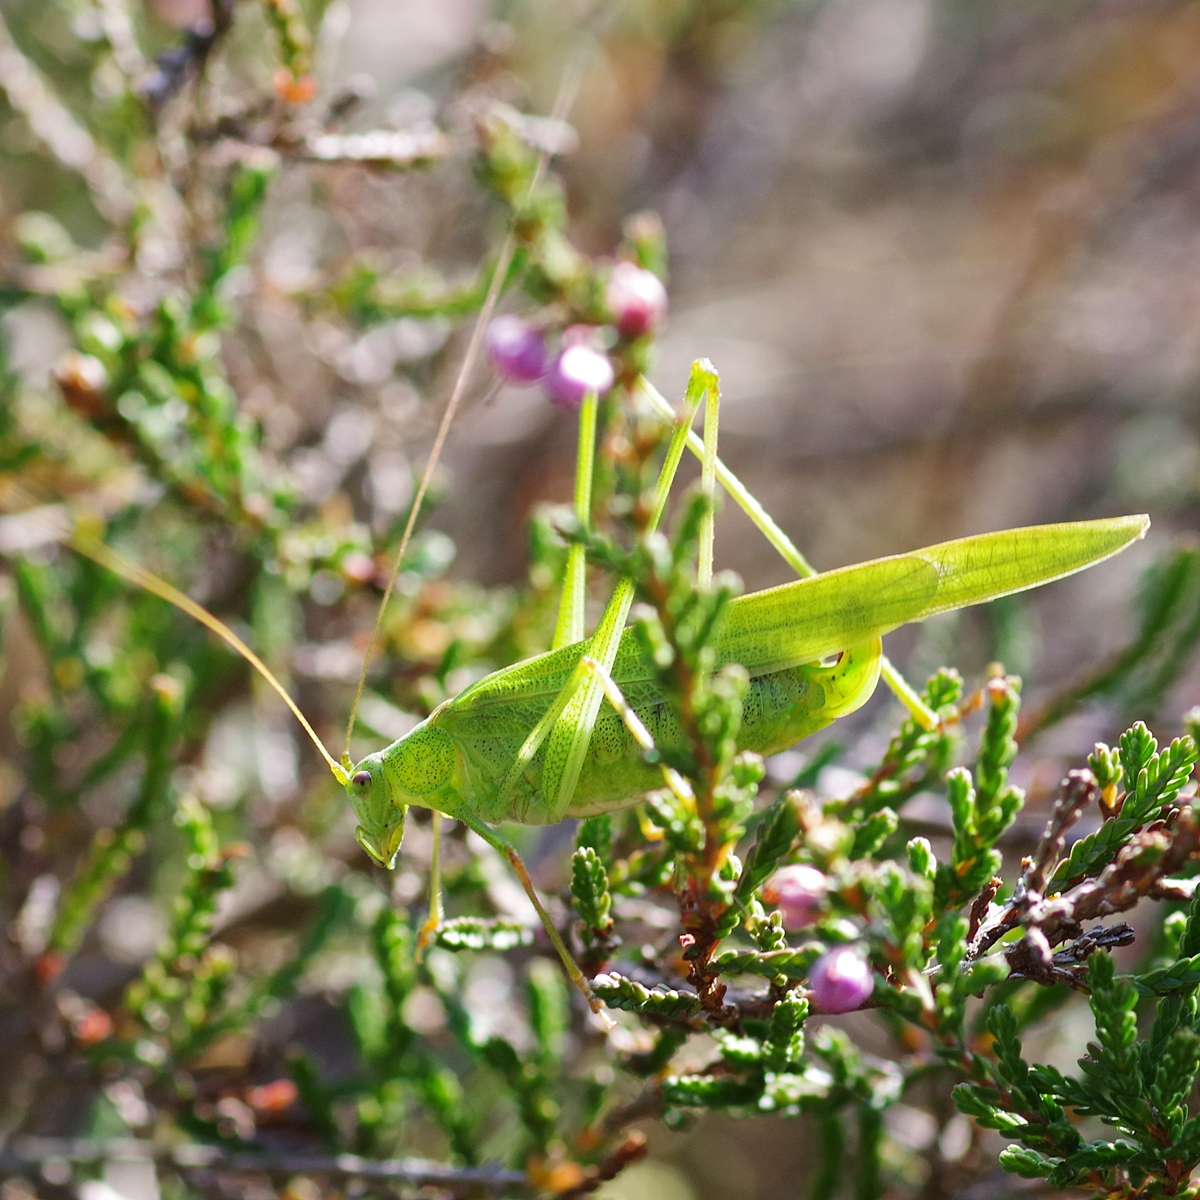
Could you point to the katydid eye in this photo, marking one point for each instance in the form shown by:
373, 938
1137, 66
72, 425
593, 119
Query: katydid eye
362, 780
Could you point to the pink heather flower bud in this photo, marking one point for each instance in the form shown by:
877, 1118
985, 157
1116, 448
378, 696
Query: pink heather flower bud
636, 298
798, 892
577, 371
517, 350
840, 981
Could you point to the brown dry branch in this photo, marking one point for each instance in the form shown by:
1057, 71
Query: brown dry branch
1143, 867
26, 1153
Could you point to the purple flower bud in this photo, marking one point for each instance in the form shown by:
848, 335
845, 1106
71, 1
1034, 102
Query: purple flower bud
798, 892
840, 981
636, 298
517, 350
577, 371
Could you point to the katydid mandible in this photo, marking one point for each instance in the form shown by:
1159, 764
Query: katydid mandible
534, 743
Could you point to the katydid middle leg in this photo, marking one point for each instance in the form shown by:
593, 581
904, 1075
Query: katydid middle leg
570, 627
509, 851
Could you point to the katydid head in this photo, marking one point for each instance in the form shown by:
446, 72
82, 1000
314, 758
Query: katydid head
381, 819
418, 769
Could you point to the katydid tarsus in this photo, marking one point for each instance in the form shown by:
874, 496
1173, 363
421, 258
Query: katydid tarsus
535, 742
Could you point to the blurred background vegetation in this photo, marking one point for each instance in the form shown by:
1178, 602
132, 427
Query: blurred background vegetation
945, 257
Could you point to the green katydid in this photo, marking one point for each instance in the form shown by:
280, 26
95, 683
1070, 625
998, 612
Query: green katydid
533, 743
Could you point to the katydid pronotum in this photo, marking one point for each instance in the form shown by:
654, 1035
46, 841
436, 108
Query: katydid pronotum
535, 742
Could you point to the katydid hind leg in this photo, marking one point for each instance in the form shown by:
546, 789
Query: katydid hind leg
708, 482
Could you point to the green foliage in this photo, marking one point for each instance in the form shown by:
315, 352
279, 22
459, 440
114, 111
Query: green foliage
1157, 779
787, 963
915, 757
112, 850
294, 1004
1113, 1003
985, 807
185, 981
593, 905
1142, 1087
775, 834
873, 832
483, 933
618, 992
1182, 975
